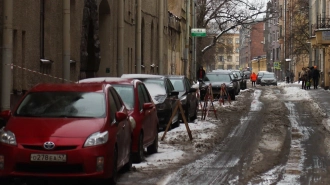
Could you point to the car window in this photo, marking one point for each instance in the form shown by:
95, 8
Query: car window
113, 107
178, 84
62, 104
141, 96
146, 94
116, 97
126, 92
269, 75
217, 77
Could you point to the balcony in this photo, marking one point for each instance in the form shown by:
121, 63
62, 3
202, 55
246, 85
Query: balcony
322, 31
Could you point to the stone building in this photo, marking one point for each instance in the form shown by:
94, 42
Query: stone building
227, 52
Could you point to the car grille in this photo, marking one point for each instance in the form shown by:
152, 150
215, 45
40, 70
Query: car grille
49, 168
41, 148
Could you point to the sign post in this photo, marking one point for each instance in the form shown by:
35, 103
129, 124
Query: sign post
198, 32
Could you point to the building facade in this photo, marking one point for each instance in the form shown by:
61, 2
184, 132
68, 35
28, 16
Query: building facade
104, 38
226, 54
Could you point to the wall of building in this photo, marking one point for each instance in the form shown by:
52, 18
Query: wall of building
257, 37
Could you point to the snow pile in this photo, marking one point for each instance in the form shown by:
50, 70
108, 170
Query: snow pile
295, 93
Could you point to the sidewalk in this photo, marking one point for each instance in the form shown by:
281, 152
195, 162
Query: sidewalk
322, 98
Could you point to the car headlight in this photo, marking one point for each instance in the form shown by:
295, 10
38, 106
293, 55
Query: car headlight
160, 98
133, 123
7, 137
97, 139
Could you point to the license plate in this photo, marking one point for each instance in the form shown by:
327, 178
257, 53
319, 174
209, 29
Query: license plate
48, 157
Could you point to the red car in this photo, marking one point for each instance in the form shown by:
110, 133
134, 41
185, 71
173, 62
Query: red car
66, 131
141, 109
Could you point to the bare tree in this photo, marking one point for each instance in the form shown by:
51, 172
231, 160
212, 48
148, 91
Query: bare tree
221, 16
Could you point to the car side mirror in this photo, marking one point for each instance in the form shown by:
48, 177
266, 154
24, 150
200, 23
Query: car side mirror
192, 90
120, 116
147, 106
174, 93
5, 115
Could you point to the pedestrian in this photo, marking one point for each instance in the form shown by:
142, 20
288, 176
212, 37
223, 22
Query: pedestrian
292, 76
287, 76
303, 77
200, 73
299, 79
316, 77
253, 78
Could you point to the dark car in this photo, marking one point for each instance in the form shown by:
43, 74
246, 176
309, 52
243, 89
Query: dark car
268, 79
66, 131
187, 96
247, 74
163, 95
240, 76
260, 75
142, 112
216, 79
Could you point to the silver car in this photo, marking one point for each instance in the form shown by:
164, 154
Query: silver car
268, 79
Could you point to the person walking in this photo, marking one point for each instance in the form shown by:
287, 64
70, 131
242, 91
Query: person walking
292, 76
253, 78
287, 76
303, 77
316, 77
200, 73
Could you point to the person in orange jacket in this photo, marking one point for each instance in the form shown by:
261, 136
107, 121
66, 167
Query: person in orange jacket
253, 78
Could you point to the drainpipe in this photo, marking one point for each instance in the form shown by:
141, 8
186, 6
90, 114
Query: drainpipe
186, 68
7, 54
161, 36
66, 40
138, 37
192, 67
42, 29
120, 60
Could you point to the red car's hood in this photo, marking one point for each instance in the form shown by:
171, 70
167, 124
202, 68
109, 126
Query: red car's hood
54, 127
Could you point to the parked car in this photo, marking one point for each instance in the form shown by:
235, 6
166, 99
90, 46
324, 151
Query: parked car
141, 109
240, 76
187, 96
66, 130
216, 79
268, 79
247, 74
163, 95
259, 76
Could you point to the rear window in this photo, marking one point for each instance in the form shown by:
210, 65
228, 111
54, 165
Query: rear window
126, 92
268, 75
217, 78
63, 104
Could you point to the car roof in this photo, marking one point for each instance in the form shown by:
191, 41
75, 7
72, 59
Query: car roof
220, 72
141, 76
109, 80
175, 76
49, 87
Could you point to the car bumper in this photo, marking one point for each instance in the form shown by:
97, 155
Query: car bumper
80, 162
268, 83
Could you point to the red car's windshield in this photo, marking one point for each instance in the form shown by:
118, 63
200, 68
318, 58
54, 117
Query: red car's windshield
62, 104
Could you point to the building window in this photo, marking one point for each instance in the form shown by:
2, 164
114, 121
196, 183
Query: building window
220, 66
45, 66
237, 40
229, 41
229, 58
221, 58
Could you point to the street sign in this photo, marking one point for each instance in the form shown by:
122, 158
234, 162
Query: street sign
277, 65
198, 32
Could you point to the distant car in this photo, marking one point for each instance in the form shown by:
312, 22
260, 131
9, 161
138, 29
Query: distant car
141, 109
240, 76
247, 74
260, 75
66, 131
187, 96
216, 79
268, 79
163, 95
